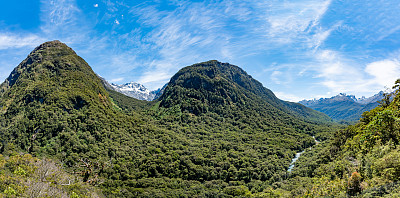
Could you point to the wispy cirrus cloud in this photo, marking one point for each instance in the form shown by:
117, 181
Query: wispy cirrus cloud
117, 80
9, 40
160, 41
288, 96
337, 73
295, 21
180, 37
229, 30
59, 17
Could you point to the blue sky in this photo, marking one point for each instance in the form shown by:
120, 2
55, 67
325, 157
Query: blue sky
300, 49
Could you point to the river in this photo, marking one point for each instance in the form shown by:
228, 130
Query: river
296, 157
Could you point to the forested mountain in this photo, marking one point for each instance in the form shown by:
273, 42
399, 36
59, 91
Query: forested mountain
217, 87
54, 105
344, 107
215, 131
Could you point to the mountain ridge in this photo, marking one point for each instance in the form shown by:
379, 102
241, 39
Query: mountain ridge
344, 107
343, 97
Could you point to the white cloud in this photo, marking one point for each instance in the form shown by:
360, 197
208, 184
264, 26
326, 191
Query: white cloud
338, 73
275, 77
320, 35
10, 40
384, 72
180, 37
154, 76
342, 75
228, 30
332, 64
287, 97
96, 5
117, 79
123, 62
63, 20
295, 21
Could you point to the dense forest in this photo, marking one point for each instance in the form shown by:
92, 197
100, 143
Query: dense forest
215, 132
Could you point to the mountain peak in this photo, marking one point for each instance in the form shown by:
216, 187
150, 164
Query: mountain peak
53, 48
54, 42
135, 90
211, 61
51, 55
54, 67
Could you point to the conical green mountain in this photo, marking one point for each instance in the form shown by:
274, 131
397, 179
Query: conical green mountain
214, 132
215, 83
53, 74
53, 103
223, 88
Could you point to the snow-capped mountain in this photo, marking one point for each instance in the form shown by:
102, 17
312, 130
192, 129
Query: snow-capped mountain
135, 90
375, 98
343, 106
344, 97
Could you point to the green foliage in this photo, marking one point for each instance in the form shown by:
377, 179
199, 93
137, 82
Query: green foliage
237, 191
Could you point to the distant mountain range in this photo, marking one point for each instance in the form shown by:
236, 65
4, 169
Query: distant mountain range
344, 107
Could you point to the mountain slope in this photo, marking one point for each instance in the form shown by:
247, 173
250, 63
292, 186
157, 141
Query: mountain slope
218, 86
54, 105
344, 107
221, 109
